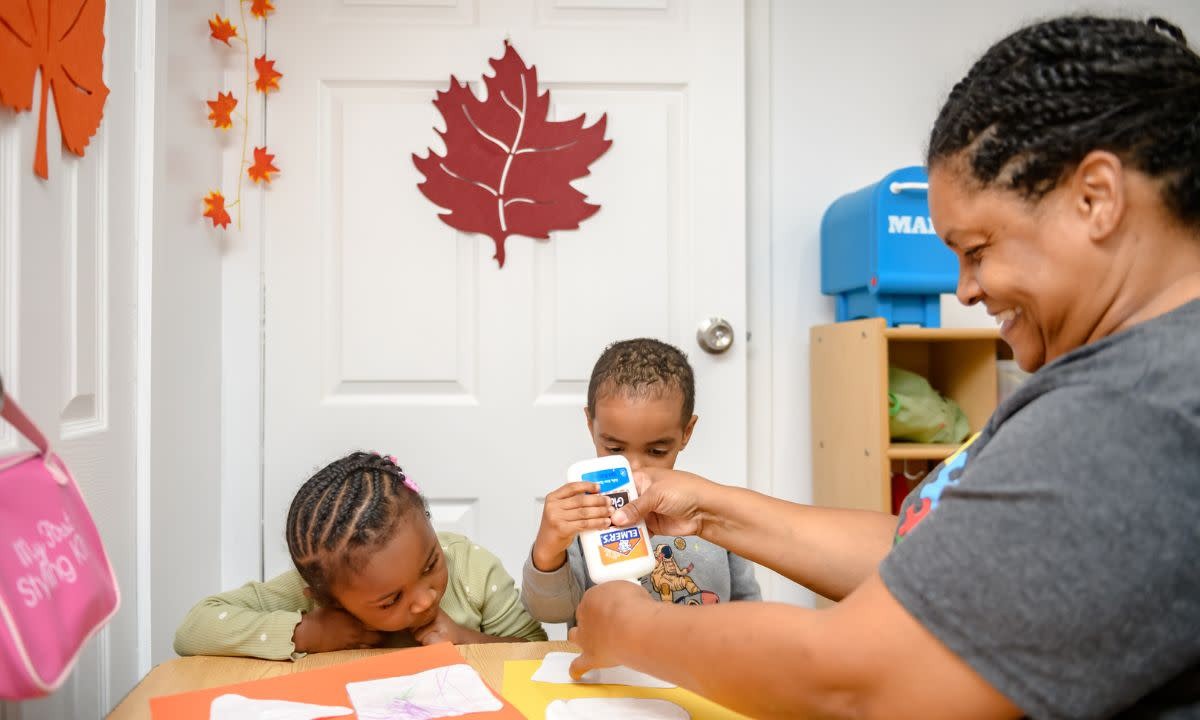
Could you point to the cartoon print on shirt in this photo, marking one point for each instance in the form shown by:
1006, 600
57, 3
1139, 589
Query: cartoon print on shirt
918, 507
669, 578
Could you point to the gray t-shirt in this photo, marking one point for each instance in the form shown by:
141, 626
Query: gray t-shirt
1059, 554
688, 571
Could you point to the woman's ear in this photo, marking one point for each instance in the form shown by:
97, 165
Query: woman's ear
1099, 189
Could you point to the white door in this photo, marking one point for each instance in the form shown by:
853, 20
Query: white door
67, 354
387, 330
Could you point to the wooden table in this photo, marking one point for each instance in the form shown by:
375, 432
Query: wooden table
196, 673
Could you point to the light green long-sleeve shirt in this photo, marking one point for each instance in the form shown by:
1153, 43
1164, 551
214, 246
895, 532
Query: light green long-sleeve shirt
258, 619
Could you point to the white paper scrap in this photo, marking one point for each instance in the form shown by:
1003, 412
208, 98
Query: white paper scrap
240, 707
555, 668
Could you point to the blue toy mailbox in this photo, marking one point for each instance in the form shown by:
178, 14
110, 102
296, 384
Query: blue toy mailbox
880, 256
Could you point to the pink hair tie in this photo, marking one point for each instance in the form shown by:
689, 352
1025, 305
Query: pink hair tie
408, 483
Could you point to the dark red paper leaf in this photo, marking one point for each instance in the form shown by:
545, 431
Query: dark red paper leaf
507, 169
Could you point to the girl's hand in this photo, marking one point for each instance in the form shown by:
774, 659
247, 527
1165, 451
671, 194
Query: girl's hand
668, 500
600, 616
569, 510
442, 629
326, 629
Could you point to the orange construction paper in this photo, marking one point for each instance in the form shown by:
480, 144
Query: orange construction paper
325, 686
65, 40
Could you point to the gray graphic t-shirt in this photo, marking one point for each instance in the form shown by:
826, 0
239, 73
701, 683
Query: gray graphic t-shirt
1058, 553
688, 570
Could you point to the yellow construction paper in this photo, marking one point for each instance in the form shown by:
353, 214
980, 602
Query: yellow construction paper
531, 698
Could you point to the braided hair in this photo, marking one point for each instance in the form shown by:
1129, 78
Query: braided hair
1044, 97
350, 507
642, 367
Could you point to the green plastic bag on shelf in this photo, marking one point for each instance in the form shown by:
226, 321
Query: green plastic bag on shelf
918, 413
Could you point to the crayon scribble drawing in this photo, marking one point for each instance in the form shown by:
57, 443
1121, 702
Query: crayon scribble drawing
441, 692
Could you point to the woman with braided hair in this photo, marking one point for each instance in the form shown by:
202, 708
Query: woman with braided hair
370, 572
1051, 567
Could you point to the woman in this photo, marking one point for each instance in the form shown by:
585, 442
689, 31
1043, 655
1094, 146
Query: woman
1051, 568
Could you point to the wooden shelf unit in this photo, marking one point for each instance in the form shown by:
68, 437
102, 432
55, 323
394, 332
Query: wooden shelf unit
852, 453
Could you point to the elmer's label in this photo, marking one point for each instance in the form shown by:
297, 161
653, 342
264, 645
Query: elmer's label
622, 544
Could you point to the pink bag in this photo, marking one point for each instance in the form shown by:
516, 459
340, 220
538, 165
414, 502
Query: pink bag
57, 587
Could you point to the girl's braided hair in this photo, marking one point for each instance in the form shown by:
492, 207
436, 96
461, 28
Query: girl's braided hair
351, 506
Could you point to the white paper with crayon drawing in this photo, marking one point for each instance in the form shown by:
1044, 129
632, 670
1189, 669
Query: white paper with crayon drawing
441, 692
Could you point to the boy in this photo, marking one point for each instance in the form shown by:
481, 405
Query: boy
640, 402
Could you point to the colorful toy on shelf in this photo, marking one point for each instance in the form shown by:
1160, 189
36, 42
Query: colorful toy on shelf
880, 255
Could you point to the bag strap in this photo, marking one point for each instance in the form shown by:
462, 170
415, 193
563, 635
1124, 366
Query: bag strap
10, 412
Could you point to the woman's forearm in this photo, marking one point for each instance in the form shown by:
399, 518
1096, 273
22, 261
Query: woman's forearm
828, 550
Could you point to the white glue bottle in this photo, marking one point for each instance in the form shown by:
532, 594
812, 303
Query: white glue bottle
614, 553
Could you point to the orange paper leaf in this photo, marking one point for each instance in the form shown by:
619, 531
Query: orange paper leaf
261, 8
66, 41
220, 109
268, 78
222, 29
262, 167
214, 209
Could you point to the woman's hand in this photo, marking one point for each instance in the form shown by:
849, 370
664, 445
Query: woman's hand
600, 616
326, 629
668, 500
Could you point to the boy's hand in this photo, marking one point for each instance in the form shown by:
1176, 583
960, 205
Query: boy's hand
569, 510
327, 628
442, 629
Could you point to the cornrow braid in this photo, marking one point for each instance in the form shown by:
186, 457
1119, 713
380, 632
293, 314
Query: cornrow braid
643, 367
1042, 98
350, 506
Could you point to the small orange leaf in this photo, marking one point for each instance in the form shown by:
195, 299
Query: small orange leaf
220, 109
268, 78
214, 209
262, 167
261, 8
222, 29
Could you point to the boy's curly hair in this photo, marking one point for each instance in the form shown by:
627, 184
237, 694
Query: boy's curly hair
643, 367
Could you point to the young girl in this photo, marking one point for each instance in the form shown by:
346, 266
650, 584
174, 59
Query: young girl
370, 572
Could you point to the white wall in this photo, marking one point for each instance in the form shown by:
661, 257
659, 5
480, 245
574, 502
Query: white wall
186, 347
855, 87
